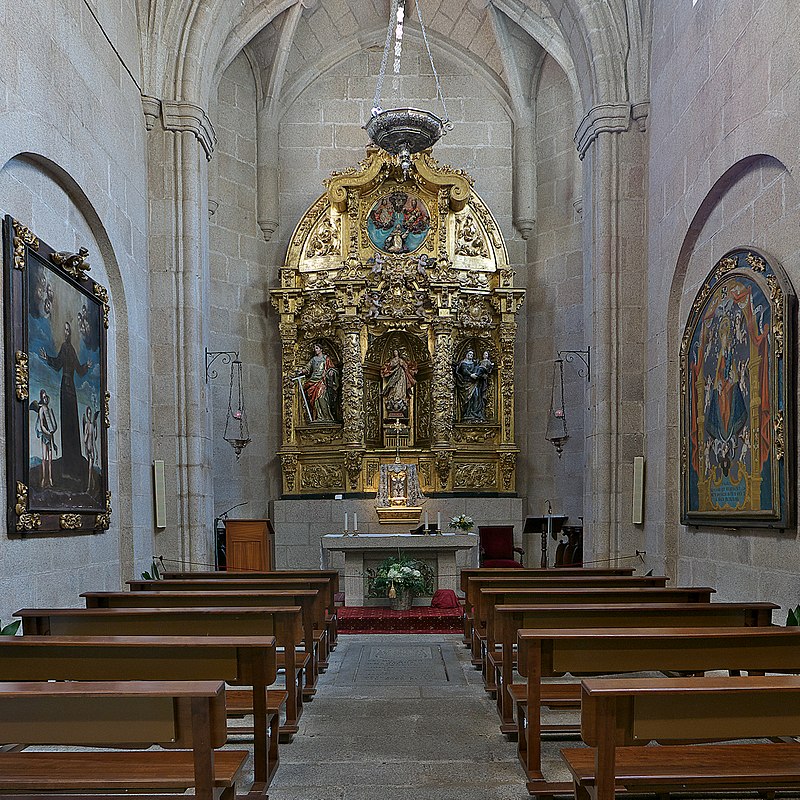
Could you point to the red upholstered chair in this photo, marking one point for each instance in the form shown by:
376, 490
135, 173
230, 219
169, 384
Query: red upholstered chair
497, 546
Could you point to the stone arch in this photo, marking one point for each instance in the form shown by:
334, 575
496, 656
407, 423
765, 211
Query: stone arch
121, 408
675, 326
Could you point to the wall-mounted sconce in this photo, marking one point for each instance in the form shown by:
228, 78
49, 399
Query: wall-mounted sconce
584, 355
237, 434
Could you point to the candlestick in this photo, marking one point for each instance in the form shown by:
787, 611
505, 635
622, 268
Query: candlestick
439, 521
355, 522
427, 527
346, 528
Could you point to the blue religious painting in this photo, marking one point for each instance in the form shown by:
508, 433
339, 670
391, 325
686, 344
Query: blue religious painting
398, 223
56, 398
736, 424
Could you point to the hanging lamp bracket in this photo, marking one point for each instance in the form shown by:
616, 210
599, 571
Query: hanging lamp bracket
227, 357
585, 356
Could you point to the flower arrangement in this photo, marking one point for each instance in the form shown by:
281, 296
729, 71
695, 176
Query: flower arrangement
461, 523
399, 574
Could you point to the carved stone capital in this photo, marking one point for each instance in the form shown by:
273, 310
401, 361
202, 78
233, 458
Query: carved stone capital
603, 118
180, 115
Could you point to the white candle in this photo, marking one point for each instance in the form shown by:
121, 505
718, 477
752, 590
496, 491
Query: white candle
426, 520
439, 521
345, 522
355, 520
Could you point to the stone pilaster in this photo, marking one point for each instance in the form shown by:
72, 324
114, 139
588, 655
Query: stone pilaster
179, 145
614, 155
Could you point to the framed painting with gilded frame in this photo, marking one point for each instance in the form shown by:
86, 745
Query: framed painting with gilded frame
737, 420
56, 321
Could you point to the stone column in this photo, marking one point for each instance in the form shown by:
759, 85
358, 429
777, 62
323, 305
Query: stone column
616, 244
180, 142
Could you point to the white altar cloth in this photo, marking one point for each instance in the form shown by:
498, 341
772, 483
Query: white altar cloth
444, 546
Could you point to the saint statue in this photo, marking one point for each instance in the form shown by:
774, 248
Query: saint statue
320, 386
472, 386
68, 363
399, 377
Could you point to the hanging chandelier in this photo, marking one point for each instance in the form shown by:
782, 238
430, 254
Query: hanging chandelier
557, 433
236, 433
404, 131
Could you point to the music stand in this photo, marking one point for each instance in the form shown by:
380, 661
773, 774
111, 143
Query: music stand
548, 524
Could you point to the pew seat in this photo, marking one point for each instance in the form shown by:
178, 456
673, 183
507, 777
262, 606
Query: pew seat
119, 715
619, 716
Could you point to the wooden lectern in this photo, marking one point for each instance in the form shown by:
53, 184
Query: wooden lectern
249, 545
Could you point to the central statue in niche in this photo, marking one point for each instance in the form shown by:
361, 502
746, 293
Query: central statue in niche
397, 314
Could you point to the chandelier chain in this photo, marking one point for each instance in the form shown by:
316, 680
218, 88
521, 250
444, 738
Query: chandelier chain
439, 94
376, 103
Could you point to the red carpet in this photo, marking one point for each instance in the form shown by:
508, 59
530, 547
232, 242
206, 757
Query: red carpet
379, 619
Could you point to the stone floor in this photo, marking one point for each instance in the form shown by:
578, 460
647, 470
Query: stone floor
402, 716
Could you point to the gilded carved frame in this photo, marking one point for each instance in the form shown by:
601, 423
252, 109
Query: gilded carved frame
737, 397
57, 401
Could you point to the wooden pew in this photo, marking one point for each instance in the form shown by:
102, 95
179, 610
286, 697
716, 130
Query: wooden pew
506, 620
284, 623
309, 600
477, 584
322, 602
331, 574
180, 714
488, 597
500, 572
618, 716
550, 653
235, 660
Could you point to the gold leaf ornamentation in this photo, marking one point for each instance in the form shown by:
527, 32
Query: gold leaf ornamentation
102, 293
70, 522
321, 476
74, 264
780, 436
103, 521
289, 467
22, 237
756, 263
508, 466
475, 476
21, 376
469, 239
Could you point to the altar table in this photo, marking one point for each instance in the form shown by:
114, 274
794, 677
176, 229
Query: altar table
444, 546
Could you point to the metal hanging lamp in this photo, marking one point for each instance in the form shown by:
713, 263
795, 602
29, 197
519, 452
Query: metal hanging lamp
557, 433
404, 131
236, 433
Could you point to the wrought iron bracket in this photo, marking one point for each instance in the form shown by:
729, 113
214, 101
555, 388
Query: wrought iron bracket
585, 356
227, 357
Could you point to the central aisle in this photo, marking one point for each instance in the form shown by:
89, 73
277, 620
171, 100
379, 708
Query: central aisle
398, 717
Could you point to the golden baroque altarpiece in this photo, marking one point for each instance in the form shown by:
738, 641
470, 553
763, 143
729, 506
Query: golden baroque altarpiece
398, 322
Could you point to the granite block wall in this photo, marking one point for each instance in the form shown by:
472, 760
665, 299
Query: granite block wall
721, 174
72, 168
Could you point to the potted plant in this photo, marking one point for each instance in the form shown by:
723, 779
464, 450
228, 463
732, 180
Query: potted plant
401, 578
794, 616
10, 629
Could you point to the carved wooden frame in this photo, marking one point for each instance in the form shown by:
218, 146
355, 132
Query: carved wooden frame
63, 509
